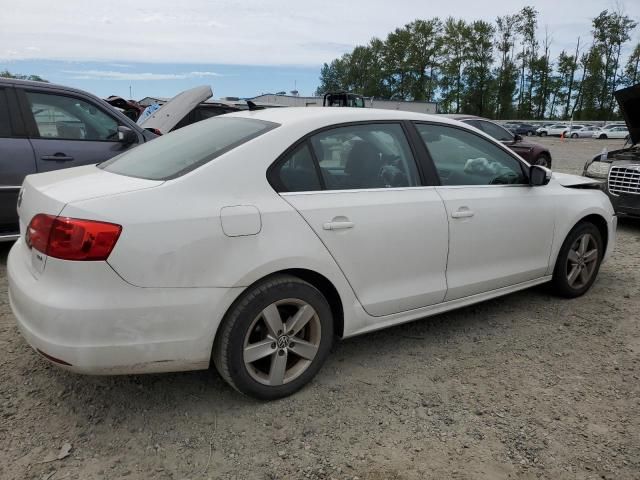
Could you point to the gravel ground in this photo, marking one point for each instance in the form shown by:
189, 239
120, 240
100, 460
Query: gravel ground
525, 386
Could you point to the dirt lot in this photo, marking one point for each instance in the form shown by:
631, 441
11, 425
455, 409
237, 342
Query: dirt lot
526, 386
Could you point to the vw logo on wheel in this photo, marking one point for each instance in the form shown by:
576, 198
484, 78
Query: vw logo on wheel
283, 341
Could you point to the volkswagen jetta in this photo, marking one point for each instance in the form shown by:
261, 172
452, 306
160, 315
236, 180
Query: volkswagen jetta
252, 240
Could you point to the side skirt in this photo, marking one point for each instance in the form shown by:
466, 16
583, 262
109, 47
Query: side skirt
411, 315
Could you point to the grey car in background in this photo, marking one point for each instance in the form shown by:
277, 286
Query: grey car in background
46, 127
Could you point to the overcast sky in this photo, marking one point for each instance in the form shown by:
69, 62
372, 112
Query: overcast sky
115, 42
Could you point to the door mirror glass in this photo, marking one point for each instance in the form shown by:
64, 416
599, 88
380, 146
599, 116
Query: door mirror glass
539, 175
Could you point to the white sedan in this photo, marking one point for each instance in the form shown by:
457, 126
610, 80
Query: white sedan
553, 130
252, 240
578, 131
613, 132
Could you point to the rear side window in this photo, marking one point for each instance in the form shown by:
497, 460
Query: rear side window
5, 127
181, 151
365, 156
298, 172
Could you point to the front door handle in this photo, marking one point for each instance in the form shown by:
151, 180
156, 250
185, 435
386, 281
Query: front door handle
58, 157
337, 225
463, 212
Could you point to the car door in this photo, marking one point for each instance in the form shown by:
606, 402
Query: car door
16, 160
358, 187
68, 131
500, 228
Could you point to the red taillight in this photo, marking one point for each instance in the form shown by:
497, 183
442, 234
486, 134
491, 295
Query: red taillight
72, 238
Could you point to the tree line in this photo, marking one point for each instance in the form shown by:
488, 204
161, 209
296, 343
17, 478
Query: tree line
497, 70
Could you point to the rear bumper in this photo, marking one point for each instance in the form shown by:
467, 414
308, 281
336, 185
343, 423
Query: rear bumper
85, 315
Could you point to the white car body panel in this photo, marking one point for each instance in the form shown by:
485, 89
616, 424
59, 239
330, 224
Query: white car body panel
384, 280
191, 245
507, 241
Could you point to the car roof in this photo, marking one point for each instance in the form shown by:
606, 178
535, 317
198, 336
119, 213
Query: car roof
318, 117
30, 83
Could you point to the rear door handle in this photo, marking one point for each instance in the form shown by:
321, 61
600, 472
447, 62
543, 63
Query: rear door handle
58, 157
463, 212
337, 225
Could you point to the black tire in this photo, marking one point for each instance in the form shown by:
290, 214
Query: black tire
543, 160
543, 134
560, 283
602, 137
234, 331
574, 135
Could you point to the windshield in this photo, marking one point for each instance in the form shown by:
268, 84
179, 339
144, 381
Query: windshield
179, 152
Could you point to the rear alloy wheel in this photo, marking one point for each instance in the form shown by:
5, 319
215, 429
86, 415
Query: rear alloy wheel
529, 133
543, 161
275, 338
543, 134
578, 261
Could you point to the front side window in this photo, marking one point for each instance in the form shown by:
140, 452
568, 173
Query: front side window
496, 131
463, 158
365, 156
69, 118
181, 151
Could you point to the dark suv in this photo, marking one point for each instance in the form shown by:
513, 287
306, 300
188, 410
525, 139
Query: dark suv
47, 127
533, 153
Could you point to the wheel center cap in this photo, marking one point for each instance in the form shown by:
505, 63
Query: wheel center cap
283, 341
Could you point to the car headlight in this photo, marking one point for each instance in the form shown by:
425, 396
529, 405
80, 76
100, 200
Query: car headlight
599, 169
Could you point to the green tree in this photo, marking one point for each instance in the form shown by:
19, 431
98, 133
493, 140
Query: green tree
507, 72
631, 71
476, 73
18, 76
456, 35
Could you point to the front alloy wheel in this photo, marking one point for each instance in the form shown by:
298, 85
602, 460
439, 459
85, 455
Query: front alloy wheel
275, 338
582, 261
578, 261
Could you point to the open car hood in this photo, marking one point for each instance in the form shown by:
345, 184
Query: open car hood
629, 101
168, 116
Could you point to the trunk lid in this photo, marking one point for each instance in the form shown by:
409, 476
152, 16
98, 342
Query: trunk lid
168, 116
49, 192
629, 102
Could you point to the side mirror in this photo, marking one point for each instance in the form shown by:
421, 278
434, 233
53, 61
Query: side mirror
517, 138
126, 136
539, 175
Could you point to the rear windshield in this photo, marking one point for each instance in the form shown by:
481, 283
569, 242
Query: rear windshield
181, 151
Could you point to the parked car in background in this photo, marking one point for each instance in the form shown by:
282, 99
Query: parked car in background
47, 127
620, 169
613, 132
250, 240
554, 130
533, 153
525, 129
582, 131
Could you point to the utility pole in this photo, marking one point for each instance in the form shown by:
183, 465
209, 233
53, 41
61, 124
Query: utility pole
130, 95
